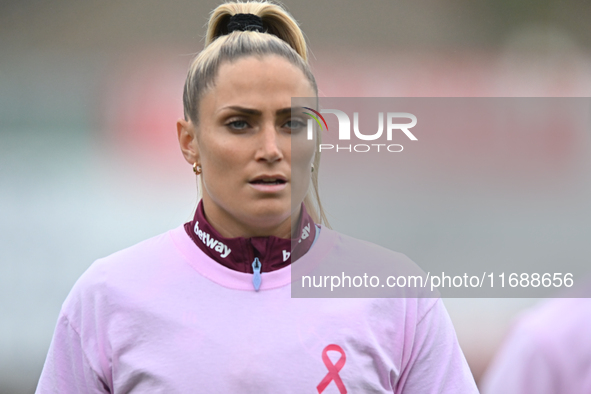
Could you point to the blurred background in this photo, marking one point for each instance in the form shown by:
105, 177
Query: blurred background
89, 164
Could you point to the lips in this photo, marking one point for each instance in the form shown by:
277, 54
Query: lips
268, 180
269, 184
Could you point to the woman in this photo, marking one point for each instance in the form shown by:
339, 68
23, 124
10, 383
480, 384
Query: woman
207, 307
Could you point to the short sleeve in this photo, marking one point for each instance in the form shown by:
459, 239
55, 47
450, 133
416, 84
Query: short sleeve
67, 369
436, 363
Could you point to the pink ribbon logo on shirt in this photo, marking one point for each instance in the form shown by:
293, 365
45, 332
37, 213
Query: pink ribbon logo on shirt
333, 369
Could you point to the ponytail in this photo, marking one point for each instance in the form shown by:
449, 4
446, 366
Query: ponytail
276, 21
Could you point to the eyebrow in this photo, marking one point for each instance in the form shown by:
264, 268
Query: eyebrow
250, 111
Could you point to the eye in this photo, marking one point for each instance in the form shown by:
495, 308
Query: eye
237, 125
294, 125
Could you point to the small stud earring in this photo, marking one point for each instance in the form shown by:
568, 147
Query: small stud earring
196, 168
312, 167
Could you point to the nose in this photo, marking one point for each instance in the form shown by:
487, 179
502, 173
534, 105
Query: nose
268, 144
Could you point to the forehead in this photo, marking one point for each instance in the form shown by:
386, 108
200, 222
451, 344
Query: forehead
258, 82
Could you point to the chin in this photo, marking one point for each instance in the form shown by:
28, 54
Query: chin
269, 211
272, 208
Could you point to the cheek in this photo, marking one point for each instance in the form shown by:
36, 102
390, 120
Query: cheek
223, 162
221, 154
302, 153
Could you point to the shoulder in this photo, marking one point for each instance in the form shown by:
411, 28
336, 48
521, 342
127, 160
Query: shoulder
374, 271
131, 261
128, 274
358, 250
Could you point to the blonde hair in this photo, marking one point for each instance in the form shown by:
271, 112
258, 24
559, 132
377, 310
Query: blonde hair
282, 37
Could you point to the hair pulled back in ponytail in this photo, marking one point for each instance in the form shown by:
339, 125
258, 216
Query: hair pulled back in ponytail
282, 36
276, 21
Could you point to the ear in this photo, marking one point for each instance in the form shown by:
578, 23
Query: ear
187, 136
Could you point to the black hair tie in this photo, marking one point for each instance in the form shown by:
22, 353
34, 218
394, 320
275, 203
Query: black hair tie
245, 22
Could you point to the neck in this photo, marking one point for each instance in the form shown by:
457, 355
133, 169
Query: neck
238, 253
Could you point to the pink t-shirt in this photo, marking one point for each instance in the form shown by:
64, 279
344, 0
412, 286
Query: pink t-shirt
162, 317
547, 352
